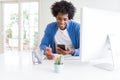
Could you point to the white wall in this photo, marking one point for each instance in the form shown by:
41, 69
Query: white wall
113, 5
45, 14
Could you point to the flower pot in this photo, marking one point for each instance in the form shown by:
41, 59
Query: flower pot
58, 68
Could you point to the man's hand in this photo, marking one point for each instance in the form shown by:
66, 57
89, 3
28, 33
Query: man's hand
66, 51
49, 54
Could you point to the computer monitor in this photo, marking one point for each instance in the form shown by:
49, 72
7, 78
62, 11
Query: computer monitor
96, 25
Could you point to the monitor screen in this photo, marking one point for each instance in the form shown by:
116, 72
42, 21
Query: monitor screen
96, 24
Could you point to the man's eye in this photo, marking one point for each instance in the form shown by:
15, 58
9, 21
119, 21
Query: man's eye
58, 19
65, 19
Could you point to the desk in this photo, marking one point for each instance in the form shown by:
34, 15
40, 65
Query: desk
18, 66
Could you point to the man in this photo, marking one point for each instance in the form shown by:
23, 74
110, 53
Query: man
63, 31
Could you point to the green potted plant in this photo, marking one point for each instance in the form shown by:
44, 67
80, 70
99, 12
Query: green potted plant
58, 65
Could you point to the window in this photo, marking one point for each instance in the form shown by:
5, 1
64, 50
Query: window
21, 26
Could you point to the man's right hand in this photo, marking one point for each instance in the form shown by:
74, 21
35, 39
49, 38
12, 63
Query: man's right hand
49, 54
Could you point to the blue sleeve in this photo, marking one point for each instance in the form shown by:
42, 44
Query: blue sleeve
46, 39
77, 52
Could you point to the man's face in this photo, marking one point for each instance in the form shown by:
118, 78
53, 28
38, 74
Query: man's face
62, 20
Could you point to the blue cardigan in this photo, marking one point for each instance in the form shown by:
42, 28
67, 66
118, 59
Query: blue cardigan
73, 29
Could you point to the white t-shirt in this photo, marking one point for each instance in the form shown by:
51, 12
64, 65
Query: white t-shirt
62, 37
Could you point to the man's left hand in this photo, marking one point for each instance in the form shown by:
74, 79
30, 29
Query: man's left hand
66, 51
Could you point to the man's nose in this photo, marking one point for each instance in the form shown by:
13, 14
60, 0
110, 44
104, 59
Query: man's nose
62, 21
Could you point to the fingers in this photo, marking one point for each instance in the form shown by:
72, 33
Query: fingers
48, 49
50, 57
49, 54
65, 52
68, 49
61, 51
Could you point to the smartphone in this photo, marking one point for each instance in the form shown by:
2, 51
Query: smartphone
62, 46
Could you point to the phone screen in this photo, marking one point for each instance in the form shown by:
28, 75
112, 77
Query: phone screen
61, 46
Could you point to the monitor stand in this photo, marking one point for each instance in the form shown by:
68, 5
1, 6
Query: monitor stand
105, 66
113, 50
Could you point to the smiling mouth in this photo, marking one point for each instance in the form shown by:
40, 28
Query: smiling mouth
61, 25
